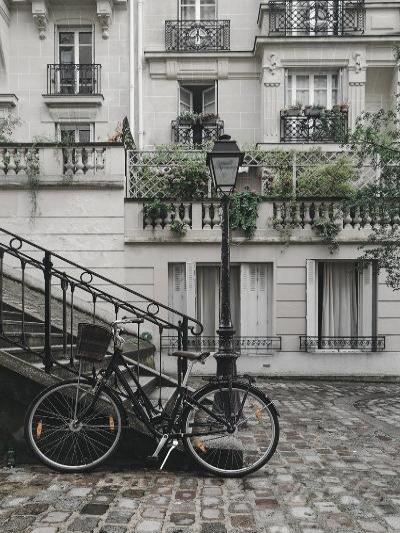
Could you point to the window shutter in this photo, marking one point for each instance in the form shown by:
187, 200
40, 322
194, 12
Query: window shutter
185, 100
191, 289
209, 100
254, 300
311, 290
177, 289
365, 300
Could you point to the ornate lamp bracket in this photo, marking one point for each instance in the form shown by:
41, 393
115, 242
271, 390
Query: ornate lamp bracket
104, 14
40, 17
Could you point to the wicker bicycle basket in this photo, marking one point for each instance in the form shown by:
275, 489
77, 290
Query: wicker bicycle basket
92, 343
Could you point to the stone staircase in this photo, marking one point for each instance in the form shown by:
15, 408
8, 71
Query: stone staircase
40, 309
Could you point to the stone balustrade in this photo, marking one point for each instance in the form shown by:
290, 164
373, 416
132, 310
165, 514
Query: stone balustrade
300, 218
52, 161
175, 211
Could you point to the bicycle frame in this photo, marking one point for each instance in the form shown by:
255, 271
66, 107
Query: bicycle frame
142, 406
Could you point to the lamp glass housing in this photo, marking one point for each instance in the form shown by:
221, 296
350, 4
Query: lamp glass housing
224, 162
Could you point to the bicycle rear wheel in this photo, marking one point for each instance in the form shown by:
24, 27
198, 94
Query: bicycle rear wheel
243, 439
65, 435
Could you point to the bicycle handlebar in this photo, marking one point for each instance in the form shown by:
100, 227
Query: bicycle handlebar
125, 320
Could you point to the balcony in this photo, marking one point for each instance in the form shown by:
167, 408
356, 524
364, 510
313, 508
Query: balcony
342, 344
323, 127
52, 163
67, 79
197, 36
245, 346
312, 18
196, 132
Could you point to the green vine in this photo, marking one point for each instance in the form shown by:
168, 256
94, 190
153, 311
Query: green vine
328, 231
244, 212
178, 227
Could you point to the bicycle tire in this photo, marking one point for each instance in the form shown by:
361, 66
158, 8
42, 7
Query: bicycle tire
47, 423
205, 453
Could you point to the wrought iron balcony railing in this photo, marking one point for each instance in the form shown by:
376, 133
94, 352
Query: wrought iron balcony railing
196, 133
242, 345
328, 127
73, 79
358, 344
306, 18
197, 35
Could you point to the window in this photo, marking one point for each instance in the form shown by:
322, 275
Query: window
340, 299
75, 133
198, 9
75, 58
312, 89
198, 98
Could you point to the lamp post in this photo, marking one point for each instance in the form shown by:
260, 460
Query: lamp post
224, 161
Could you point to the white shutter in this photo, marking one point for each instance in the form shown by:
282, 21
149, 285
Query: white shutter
177, 289
209, 100
254, 300
185, 100
366, 306
311, 290
191, 289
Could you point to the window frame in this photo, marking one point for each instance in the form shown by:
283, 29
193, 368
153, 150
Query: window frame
75, 125
186, 86
311, 86
197, 5
313, 303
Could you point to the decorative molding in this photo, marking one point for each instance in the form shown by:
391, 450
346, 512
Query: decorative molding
40, 17
273, 64
269, 84
104, 14
356, 83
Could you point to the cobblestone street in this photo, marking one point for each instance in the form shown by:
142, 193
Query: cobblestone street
336, 469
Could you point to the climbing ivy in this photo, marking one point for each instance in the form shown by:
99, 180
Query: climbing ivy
244, 212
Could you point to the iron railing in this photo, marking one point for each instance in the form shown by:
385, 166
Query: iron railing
360, 344
242, 345
307, 18
195, 134
328, 127
73, 79
197, 35
71, 291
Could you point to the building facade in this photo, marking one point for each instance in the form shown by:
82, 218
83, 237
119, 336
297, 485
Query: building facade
185, 71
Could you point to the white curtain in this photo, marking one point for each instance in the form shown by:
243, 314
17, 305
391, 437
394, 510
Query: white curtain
339, 300
208, 298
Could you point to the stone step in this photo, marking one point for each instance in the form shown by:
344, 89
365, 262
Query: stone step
15, 326
31, 339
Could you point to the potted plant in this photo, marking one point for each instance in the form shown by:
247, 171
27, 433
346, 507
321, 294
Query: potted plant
307, 109
344, 107
294, 110
316, 111
187, 118
336, 108
207, 118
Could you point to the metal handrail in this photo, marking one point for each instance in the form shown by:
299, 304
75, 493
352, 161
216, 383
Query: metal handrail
174, 320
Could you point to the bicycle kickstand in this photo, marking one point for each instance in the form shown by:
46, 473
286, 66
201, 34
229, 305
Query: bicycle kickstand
172, 448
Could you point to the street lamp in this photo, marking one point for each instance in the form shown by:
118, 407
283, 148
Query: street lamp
224, 161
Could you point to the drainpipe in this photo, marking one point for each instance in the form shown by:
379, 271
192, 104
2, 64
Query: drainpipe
140, 74
132, 65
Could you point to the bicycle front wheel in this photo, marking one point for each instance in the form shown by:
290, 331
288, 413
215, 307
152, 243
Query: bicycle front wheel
66, 433
231, 431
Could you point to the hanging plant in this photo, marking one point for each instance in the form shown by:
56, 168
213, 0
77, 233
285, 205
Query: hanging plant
244, 212
178, 228
328, 230
156, 209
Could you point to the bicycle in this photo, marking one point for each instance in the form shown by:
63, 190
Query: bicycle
229, 426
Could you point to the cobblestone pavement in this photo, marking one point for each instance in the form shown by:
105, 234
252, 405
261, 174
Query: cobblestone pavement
335, 470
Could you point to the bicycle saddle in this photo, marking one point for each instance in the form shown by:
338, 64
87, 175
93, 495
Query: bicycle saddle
192, 356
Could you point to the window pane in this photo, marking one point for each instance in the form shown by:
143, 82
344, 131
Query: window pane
289, 90
335, 89
84, 134
320, 90
188, 10
85, 37
85, 55
66, 37
302, 90
66, 55
207, 9
185, 100
209, 100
